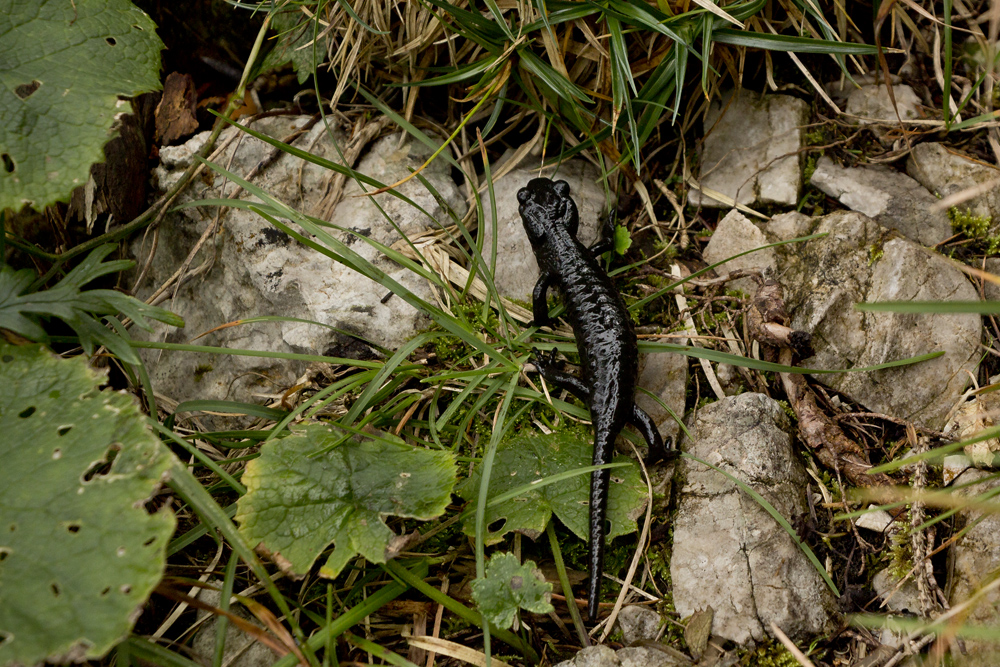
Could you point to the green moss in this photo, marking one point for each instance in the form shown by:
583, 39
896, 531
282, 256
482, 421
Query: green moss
201, 370
669, 250
972, 226
900, 552
769, 655
875, 252
809, 169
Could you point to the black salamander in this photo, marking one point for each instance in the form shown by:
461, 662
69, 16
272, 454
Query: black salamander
604, 338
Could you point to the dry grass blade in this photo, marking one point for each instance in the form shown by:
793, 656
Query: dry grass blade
454, 650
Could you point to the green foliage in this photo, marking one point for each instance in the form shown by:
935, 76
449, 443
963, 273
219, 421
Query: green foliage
965, 222
323, 485
510, 586
20, 308
900, 552
975, 227
78, 553
875, 252
294, 44
529, 459
622, 240
770, 655
63, 67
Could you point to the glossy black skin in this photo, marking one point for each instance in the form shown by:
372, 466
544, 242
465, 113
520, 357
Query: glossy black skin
604, 338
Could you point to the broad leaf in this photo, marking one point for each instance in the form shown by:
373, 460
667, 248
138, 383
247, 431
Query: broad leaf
323, 485
78, 552
63, 67
510, 586
528, 459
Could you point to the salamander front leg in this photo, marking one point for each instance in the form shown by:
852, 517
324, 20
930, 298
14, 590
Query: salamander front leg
539, 301
607, 240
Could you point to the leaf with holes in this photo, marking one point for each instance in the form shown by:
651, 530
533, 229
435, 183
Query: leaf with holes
79, 554
510, 586
528, 459
63, 67
323, 485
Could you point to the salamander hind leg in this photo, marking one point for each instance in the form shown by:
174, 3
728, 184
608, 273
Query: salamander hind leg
550, 368
658, 451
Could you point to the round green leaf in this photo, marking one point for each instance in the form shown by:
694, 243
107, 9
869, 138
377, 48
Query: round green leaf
510, 586
322, 485
79, 554
527, 459
63, 66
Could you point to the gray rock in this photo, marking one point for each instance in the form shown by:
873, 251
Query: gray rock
976, 557
729, 553
991, 290
241, 649
944, 172
971, 418
751, 149
516, 271
637, 622
892, 199
650, 656
875, 520
259, 270
953, 466
874, 107
593, 656
664, 376
859, 261
733, 235
904, 600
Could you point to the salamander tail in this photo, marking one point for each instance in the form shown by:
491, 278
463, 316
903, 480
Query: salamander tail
600, 482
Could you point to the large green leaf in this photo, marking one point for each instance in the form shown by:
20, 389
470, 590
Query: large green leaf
63, 66
510, 586
323, 485
528, 459
78, 552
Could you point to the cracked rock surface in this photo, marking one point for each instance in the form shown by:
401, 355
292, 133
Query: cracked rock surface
751, 149
861, 261
258, 270
944, 171
729, 553
892, 199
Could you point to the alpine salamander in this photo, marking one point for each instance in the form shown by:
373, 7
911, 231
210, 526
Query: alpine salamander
604, 338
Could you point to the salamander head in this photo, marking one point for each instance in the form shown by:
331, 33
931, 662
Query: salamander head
545, 204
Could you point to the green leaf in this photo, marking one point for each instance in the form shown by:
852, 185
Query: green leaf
79, 554
63, 67
322, 485
528, 459
623, 241
510, 586
294, 44
66, 301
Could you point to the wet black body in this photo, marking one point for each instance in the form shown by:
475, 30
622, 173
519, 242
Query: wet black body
604, 338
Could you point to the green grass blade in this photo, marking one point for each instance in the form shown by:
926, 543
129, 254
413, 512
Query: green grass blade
789, 44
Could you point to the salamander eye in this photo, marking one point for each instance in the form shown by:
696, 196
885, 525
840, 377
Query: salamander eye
523, 195
561, 188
